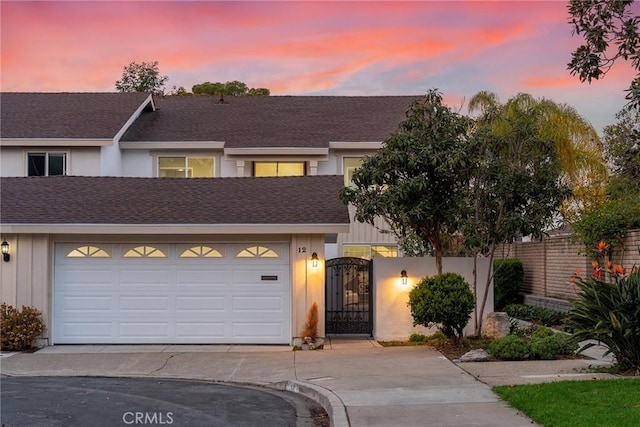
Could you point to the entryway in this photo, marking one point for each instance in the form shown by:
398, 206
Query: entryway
349, 296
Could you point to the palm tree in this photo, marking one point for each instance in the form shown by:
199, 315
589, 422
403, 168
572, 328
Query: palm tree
577, 142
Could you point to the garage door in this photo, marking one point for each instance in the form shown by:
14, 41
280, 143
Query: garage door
171, 293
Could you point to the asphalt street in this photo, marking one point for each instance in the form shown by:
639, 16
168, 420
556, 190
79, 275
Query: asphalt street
106, 402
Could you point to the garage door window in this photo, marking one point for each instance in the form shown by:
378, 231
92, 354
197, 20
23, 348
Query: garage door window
144, 252
257, 252
201, 252
88, 252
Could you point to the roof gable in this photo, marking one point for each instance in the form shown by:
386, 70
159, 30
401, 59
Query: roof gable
66, 115
271, 121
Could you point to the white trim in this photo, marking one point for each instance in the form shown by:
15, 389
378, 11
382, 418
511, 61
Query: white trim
276, 151
171, 145
175, 228
349, 145
133, 117
55, 142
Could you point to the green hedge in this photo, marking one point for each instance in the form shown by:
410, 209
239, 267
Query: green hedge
508, 278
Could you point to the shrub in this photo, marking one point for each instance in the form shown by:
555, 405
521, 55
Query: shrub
610, 313
310, 329
542, 332
445, 299
507, 281
19, 329
550, 346
418, 338
510, 347
536, 314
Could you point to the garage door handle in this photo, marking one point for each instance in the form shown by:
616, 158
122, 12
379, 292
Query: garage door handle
269, 277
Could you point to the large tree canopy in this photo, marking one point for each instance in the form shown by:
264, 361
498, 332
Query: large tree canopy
417, 180
232, 88
611, 32
144, 77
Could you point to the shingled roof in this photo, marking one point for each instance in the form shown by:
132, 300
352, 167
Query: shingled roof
66, 115
168, 201
271, 121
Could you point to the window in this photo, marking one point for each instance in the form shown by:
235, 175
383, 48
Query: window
278, 169
201, 252
185, 167
370, 251
88, 252
45, 164
144, 252
257, 252
349, 166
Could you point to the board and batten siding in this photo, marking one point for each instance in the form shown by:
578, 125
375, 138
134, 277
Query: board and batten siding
362, 233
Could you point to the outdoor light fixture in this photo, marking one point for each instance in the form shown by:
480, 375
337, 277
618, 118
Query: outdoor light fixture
403, 277
314, 260
5, 251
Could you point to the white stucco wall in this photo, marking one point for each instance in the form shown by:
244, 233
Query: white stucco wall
137, 163
110, 160
81, 161
392, 316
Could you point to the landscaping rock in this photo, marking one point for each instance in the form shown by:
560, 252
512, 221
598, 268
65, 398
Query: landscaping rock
497, 325
478, 355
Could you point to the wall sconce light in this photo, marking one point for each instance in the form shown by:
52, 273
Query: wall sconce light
403, 277
5, 251
314, 260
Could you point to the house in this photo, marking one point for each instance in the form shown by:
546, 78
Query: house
110, 253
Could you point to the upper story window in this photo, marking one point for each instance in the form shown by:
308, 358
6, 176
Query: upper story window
185, 167
370, 251
349, 166
45, 164
278, 169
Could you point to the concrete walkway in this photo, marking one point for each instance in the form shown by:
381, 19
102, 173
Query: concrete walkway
358, 381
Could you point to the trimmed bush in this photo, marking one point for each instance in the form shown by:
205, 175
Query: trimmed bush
510, 347
542, 332
508, 279
551, 346
19, 329
445, 299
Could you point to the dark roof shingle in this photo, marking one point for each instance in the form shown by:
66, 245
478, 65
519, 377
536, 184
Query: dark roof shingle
203, 201
271, 121
66, 115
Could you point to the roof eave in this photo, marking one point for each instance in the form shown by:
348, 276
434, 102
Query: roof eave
147, 229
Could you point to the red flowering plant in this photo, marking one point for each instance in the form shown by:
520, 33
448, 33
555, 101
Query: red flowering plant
607, 309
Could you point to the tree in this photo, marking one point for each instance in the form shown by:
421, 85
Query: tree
622, 150
515, 186
232, 88
604, 23
144, 77
417, 180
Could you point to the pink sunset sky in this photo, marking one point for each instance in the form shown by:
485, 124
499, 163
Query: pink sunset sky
308, 48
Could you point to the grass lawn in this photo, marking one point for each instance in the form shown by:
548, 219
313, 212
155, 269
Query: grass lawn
607, 403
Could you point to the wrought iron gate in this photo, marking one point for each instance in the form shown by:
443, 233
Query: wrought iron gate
349, 297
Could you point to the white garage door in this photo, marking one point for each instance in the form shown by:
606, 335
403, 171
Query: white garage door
171, 293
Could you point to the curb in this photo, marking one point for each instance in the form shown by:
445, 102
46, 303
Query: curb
326, 398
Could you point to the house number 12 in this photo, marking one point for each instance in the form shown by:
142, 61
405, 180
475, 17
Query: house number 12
302, 249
